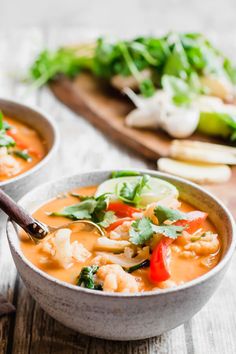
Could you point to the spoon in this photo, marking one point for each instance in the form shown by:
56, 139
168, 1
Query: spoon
35, 229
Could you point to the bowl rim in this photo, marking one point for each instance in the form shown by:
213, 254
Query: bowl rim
55, 144
222, 263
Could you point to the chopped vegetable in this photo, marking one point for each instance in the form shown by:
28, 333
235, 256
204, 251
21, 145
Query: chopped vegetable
193, 222
117, 223
23, 154
86, 278
5, 140
122, 210
159, 263
217, 124
144, 264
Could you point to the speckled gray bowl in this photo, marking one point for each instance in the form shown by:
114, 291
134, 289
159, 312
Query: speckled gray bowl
43, 124
123, 316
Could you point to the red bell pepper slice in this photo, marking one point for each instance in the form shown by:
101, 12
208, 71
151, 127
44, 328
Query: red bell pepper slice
117, 223
159, 267
194, 221
122, 210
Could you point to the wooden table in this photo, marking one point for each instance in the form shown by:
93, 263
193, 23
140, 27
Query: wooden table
31, 330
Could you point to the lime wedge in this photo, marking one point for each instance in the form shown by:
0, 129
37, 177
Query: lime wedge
159, 189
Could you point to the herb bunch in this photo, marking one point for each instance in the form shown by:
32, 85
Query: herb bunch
183, 56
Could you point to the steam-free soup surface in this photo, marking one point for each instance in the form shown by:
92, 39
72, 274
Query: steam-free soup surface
185, 264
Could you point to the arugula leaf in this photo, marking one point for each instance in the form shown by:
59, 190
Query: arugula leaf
116, 174
143, 229
89, 208
130, 192
140, 231
164, 213
23, 154
86, 278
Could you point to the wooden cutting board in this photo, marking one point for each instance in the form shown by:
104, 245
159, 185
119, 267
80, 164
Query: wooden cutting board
106, 109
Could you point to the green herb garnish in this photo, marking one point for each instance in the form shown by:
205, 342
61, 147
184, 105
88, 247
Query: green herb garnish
164, 213
143, 264
180, 55
143, 230
5, 140
130, 192
86, 278
90, 208
23, 154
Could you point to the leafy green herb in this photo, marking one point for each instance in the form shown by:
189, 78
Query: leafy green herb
23, 154
117, 174
86, 278
5, 140
143, 229
171, 231
130, 192
164, 213
140, 231
179, 55
143, 264
90, 208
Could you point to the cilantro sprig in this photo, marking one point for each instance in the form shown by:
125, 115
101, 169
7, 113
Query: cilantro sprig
130, 192
90, 208
178, 55
164, 213
142, 230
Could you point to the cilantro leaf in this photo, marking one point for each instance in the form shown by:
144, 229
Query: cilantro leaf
140, 231
130, 192
5, 140
108, 218
171, 231
164, 213
89, 208
143, 230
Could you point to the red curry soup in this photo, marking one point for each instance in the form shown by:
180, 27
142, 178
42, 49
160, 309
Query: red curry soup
21, 148
146, 237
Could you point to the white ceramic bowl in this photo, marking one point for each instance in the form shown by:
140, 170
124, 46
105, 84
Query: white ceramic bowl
123, 316
44, 125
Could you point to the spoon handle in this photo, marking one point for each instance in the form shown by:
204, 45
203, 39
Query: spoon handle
32, 226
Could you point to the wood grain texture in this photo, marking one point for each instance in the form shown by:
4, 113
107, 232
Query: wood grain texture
31, 330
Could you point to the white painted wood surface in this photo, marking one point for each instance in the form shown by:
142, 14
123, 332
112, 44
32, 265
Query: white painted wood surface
211, 331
